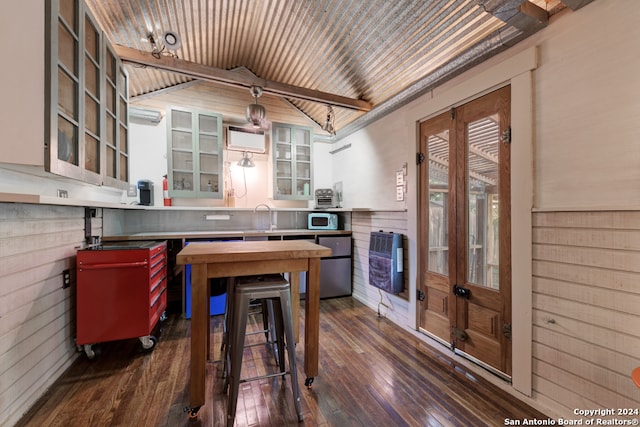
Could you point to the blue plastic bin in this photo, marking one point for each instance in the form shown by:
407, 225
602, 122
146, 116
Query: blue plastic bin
217, 301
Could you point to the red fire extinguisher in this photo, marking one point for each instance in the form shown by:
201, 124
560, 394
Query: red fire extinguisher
165, 191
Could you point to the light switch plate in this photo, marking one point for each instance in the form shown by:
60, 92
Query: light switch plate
400, 193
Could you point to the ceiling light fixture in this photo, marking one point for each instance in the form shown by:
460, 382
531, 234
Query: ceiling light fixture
170, 41
328, 125
256, 114
246, 161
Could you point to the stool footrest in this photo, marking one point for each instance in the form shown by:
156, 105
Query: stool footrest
275, 374
263, 279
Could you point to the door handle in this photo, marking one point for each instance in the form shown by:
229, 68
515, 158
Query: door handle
459, 291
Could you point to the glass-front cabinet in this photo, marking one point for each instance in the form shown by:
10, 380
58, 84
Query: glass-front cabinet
194, 153
87, 99
292, 160
116, 107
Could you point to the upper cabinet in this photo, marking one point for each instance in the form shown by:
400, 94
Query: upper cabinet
194, 143
86, 133
292, 162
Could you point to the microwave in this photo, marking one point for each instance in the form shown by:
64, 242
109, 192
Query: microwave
322, 221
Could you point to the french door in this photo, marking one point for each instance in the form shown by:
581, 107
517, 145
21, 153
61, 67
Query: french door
465, 230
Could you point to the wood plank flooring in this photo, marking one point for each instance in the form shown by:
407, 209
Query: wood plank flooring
372, 373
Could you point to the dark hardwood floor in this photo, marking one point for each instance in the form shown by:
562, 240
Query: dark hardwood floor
372, 373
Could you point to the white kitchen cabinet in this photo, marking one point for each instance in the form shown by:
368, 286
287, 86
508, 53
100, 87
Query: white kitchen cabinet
194, 144
86, 130
292, 162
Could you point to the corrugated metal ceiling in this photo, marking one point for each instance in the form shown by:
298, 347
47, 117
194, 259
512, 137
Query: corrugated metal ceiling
372, 50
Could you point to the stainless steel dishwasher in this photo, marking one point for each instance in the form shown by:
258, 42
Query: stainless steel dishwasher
335, 271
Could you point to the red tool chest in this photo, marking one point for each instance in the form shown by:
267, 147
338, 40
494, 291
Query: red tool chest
121, 292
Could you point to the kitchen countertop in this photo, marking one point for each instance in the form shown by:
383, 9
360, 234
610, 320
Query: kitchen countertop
30, 198
167, 235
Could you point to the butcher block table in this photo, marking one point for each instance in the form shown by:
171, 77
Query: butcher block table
246, 258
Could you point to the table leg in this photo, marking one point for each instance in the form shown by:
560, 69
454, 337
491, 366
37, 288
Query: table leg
312, 320
294, 279
199, 332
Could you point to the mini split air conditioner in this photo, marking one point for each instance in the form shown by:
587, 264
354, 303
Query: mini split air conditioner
144, 116
243, 139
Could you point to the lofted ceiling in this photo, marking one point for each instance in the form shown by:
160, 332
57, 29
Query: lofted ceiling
363, 57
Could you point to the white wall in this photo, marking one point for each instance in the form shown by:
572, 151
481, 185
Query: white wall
323, 176
148, 154
368, 168
588, 110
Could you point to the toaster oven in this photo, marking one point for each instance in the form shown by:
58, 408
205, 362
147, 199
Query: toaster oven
325, 198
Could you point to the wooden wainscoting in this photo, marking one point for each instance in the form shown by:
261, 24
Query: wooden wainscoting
586, 308
362, 224
37, 326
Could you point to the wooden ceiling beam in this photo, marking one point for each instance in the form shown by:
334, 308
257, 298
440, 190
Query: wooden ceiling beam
218, 75
521, 14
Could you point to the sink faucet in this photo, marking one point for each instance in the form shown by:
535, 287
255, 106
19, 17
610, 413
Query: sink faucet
271, 224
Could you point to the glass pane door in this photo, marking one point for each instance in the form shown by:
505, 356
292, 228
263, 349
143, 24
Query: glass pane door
438, 149
284, 150
182, 155
483, 217
438, 243
209, 154
465, 278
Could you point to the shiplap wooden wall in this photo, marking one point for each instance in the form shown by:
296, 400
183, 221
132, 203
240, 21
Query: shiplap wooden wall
37, 316
362, 224
586, 305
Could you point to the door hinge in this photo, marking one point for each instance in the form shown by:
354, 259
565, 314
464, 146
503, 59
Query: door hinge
506, 330
420, 295
419, 158
460, 334
506, 136
452, 113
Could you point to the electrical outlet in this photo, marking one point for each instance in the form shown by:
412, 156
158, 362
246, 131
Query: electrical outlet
132, 191
66, 279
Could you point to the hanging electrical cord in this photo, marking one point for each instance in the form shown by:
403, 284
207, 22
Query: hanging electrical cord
245, 163
382, 304
244, 176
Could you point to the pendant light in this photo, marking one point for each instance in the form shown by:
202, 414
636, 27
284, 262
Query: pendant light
246, 161
256, 114
328, 125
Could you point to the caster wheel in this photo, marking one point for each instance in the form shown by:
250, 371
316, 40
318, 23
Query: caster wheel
88, 350
308, 382
148, 343
191, 412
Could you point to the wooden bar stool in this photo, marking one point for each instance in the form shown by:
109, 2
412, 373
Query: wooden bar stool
276, 291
